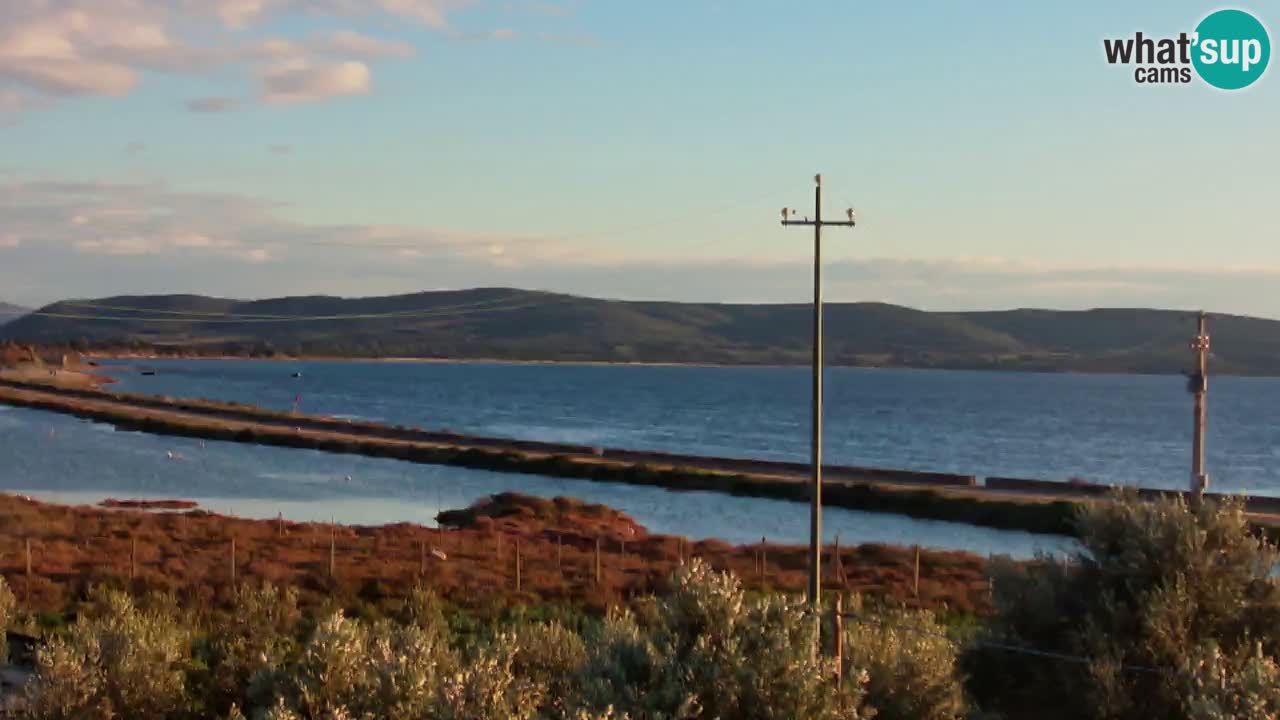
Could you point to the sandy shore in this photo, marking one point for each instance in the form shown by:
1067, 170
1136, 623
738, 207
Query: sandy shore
59, 377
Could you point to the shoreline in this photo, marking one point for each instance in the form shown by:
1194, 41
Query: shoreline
621, 363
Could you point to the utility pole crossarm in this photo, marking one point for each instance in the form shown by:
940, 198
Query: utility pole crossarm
824, 223
815, 498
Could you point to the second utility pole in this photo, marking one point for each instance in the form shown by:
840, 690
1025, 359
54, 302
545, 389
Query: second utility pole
815, 498
1199, 384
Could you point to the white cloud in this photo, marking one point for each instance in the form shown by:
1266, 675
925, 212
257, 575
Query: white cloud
213, 105
11, 101
121, 219
239, 13
118, 246
62, 48
257, 255
281, 149
352, 44
302, 82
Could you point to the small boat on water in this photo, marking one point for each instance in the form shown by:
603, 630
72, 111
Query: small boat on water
297, 374
147, 372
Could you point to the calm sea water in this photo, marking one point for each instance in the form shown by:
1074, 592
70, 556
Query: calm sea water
1108, 428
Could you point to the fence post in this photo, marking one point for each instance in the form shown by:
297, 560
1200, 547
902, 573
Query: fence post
422, 558
837, 621
133, 558
916, 577
838, 565
279, 524
597, 560
559, 554
680, 549
517, 564
764, 559
27, 589
233, 560
332, 549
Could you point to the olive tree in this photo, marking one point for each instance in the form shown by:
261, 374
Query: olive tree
1152, 582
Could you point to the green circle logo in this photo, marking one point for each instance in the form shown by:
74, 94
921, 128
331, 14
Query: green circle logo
1232, 49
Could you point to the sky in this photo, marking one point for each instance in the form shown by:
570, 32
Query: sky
259, 148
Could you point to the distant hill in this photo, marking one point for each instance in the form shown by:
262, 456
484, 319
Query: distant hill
524, 325
9, 313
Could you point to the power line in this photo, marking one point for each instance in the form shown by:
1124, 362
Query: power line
672, 220
1017, 649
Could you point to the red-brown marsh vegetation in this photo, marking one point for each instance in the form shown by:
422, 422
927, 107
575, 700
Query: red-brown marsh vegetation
472, 562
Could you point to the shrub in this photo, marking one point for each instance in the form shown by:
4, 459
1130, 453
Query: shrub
7, 605
1243, 687
548, 655
118, 661
708, 651
1152, 582
910, 665
244, 653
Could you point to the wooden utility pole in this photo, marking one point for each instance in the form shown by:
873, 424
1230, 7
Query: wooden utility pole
815, 455
1199, 385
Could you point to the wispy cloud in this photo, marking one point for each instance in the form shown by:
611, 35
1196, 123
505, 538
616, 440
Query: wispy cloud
52, 49
213, 105
72, 237
355, 45
303, 82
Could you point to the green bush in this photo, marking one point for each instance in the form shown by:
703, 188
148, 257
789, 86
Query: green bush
7, 605
705, 650
909, 663
243, 653
118, 661
1153, 583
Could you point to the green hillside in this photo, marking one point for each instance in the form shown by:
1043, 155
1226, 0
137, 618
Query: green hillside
517, 324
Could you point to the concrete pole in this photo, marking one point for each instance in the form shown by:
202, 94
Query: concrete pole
1200, 386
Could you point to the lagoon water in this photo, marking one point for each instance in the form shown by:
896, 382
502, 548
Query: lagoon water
1120, 429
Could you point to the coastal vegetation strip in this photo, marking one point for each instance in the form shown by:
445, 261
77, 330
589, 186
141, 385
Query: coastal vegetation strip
470, 560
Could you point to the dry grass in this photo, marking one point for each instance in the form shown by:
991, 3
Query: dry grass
189, 554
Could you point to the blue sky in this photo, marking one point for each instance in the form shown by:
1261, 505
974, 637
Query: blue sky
642, 150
